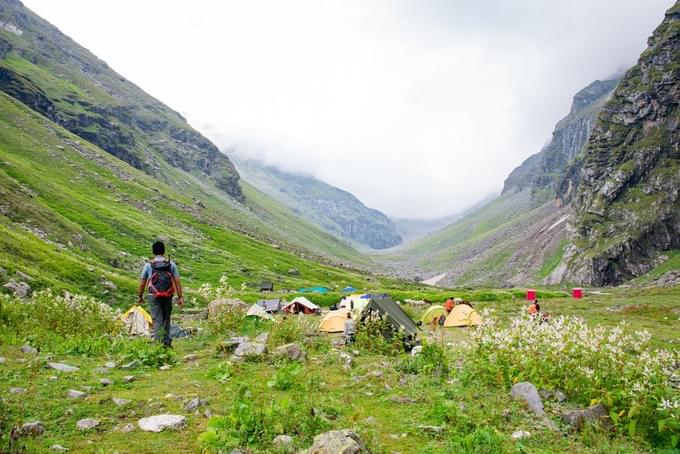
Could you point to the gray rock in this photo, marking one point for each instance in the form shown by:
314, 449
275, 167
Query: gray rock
158, 423
128, 379
105, 381
527, 392
251, 349
283, 443
61, 367
87, 424
292, 352
336, 442
28, 349
33, 428
120, 402
194, 404
131, 365
58, 448
596, 415
17, 390
20, 289
110, 365
74, 394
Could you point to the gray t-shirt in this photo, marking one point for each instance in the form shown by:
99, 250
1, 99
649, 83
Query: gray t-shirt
146, 271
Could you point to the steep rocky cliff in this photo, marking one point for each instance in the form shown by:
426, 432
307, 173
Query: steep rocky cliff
625, 186
336, 211
53, 75
545, 169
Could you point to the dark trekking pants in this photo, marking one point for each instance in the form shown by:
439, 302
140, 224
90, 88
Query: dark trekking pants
161, 308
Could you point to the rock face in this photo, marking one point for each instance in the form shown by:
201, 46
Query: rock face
334, 210
159, 423
105, 108
625, 187
336, 442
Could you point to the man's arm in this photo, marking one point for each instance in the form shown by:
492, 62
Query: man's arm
140, 291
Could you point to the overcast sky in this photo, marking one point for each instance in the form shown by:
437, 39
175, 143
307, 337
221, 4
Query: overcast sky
420, 108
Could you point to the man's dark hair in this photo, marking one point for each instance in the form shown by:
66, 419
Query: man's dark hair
158, 248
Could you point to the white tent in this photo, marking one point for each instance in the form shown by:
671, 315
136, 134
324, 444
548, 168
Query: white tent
258, 311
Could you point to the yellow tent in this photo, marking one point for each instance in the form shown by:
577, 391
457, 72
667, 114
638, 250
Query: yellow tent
463, 315
137, 321
433, 312
334, 321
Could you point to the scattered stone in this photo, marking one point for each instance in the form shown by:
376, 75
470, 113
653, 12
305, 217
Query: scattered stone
74, 394
165, 367
415, 351
131, 365
194, 404
403, 400
436, 430
58, 448
120, 402
291, 351
17, 390
61, 367
346, 360
105, 381
128, 379
250, 349
597, 414
127, 428
158, 423
518, 435
28, 349
283, 443
20, 289
87, 424
110, 365
336, 442
33, 428
191, 357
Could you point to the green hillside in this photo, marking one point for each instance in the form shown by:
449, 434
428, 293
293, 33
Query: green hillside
73, 217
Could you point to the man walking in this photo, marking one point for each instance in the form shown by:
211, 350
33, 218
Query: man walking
161, 277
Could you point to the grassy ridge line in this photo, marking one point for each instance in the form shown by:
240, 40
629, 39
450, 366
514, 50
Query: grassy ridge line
93, 210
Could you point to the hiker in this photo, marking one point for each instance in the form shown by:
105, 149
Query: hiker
350, 330
534, 309
161, 277
449, 304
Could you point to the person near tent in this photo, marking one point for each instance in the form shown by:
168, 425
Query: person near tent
449, 304
350, 329
161, 277
534, 309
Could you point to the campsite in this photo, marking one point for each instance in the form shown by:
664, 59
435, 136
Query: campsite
304, 381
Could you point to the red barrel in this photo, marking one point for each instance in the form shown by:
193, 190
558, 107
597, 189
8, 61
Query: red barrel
531, 294
577, 293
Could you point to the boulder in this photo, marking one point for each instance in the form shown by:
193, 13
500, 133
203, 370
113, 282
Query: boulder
336, 442
292, 352
251, 349
61, 367
596, 415
283, 443
33, 428
75, 394
20, 289
28, 349
87, 424
220, 305
159, 423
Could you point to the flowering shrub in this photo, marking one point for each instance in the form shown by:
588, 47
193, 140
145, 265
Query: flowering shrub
589, 364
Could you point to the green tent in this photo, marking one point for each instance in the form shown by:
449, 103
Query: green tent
391, 312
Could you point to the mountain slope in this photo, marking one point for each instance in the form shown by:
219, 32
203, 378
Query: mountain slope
625, 187
55, 76
336, 211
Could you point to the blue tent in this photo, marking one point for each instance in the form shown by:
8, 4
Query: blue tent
349, 289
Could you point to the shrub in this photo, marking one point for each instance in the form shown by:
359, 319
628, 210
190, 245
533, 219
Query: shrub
432, 360
588, 364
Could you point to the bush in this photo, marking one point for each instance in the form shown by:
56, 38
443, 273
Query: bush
432, 360
588, 364
253, 423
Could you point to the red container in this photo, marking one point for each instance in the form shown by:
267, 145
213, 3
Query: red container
577, 293
531, 294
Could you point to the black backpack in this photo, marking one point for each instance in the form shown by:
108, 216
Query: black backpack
162, 284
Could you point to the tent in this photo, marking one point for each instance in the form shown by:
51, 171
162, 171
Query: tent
257, 311
390, 311
267, 287
349, 289
333, 321
137, 321
271, 306
355, 303
463, 315
301, 305
433, 312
